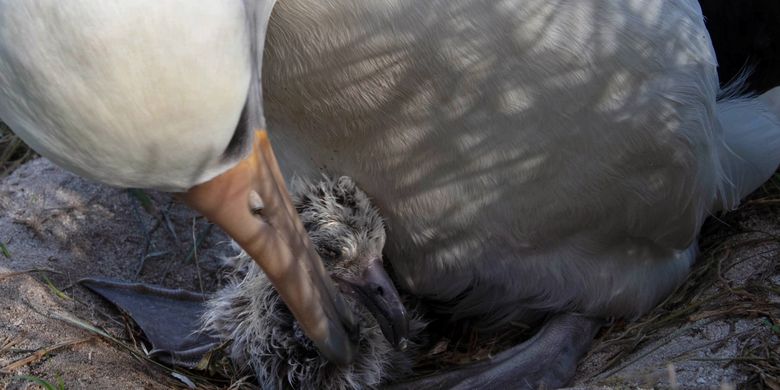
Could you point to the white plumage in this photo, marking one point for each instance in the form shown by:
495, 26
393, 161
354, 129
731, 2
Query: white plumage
165, 94
131, 93
535, 155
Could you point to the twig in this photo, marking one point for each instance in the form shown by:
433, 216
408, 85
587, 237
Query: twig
147, 232
9, 342
730, 359
40, 354
646, 353
169, 224
17, 273
79, 323
195, 244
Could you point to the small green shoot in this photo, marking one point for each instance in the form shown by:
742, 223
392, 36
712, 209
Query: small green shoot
42, 382
55, 290
775, 328
143, 199
4, 250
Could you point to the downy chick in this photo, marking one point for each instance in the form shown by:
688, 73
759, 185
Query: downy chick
348, 233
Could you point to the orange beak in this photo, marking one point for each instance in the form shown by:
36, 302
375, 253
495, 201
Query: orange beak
274, 237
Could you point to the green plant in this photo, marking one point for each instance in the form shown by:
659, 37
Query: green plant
60, 385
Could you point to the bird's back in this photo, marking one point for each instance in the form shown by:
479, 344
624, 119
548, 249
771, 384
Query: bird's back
525, 154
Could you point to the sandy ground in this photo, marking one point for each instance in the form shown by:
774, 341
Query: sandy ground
61, 227
51, 220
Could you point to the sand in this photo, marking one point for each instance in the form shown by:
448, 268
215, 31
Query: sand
52, 220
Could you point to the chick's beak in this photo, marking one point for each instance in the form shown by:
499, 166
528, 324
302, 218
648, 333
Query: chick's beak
375, 290
276, 240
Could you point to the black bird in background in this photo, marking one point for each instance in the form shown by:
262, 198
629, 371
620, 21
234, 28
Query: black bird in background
746, 33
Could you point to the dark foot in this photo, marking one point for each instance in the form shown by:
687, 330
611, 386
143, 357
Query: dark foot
546, 361
170, 319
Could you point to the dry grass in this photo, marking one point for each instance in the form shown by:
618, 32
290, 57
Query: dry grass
13, 152
709, 295
214, 371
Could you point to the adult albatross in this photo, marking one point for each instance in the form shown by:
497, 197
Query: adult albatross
533, 158
163, 95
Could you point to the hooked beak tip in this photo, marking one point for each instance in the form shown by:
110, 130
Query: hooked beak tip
278, 243
375, 290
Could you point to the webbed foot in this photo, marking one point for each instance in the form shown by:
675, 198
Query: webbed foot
169, 318
546, 361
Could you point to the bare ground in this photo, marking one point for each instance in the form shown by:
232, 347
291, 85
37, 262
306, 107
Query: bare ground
52, 220
720, 328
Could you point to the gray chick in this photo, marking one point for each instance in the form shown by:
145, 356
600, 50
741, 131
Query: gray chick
348, 233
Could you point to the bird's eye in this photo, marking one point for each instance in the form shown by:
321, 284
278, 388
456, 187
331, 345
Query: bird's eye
330, 252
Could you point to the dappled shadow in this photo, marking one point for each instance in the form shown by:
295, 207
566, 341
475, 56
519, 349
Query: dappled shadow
491, 132
53, 219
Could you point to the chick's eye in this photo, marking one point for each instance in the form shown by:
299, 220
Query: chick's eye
330, 252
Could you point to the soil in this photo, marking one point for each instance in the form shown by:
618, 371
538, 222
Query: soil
52, 220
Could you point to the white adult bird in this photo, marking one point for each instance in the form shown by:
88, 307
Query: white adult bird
532, 158
152, 94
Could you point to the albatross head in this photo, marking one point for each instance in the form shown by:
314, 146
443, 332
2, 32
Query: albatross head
148, 94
